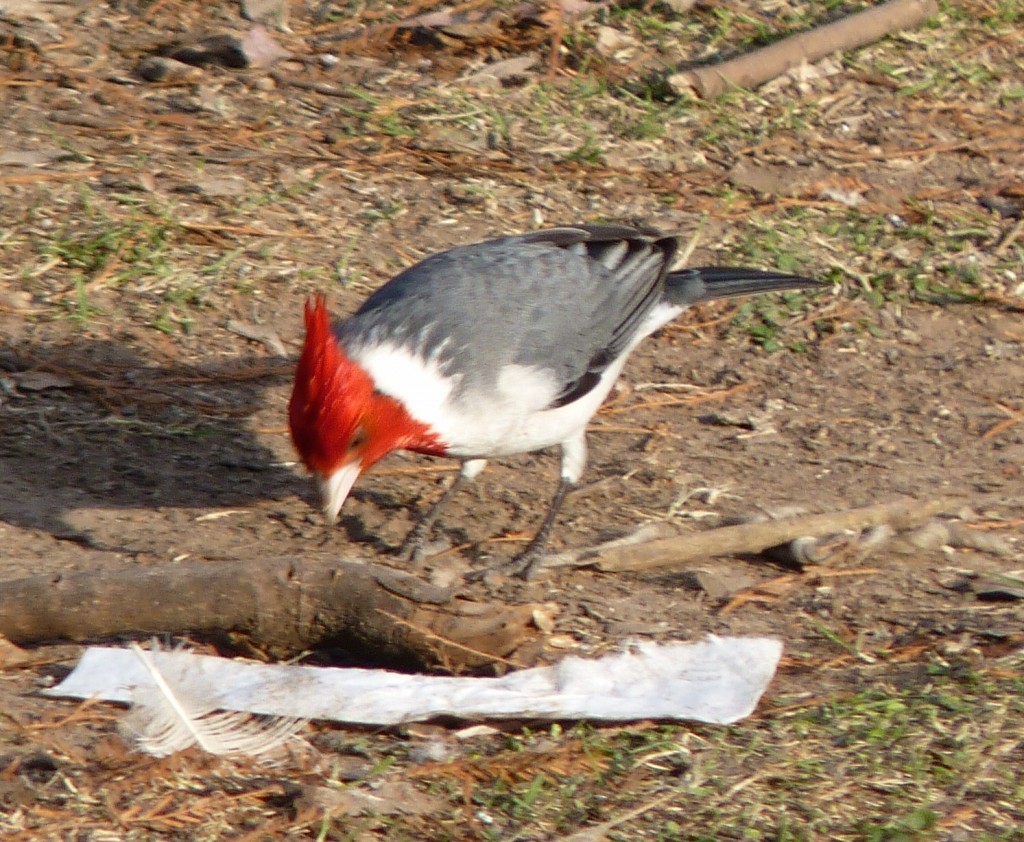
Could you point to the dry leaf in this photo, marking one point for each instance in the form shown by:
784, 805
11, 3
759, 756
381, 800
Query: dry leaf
40, 381
219, 186
163, 69
22, 10
388, 799
500, 71
30, 157
260, 49
257, 333
264, 10
11, 655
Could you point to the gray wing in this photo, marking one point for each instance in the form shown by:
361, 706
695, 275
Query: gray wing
566, 300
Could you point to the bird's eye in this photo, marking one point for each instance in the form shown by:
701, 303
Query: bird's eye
358, 438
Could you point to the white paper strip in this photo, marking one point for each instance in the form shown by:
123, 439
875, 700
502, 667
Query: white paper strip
717, 680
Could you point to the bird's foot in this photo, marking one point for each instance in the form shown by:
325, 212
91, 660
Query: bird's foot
527, 565
414, 544
420, 546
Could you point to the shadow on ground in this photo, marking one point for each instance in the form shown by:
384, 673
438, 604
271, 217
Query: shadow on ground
90, 425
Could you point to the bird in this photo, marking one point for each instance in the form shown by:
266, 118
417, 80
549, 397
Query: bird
501, 347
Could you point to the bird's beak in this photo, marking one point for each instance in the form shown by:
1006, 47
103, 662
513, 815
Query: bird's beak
334, 488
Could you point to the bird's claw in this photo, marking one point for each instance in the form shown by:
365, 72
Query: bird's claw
525, 566
411, 549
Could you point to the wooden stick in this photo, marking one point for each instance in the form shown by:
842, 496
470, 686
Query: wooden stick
753, 537
753, 69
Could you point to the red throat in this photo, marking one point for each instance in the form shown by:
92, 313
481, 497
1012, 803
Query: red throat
335, 415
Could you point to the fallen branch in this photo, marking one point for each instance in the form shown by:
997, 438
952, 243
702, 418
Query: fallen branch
755, 68
283, 606
749, 537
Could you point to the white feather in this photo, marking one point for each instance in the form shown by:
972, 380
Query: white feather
714, 680
168, 716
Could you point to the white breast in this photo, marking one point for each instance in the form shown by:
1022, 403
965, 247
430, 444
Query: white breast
512, 417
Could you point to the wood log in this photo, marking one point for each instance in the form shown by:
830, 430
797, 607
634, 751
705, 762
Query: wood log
284, 606
753, 69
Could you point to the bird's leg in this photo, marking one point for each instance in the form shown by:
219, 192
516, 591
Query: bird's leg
412, 546
524, 564
574, 458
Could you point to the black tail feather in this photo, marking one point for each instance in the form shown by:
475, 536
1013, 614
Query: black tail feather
705, 283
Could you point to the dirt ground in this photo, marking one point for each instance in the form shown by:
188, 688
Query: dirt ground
147, 225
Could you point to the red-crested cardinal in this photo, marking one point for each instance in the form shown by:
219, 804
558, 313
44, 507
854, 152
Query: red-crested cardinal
506, 346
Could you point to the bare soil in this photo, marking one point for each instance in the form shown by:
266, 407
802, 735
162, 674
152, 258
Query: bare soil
137, 428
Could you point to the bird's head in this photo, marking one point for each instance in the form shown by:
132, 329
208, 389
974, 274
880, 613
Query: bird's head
340, 425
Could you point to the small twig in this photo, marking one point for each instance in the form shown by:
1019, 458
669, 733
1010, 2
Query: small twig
772, 590
419, 470
258, 333
556, 19
686, 252
1009, 238
687, 401
621, 428
81, 712
1013, 417
599, 832
316, 87
755, 537
249, 230
666, 387
1005, 301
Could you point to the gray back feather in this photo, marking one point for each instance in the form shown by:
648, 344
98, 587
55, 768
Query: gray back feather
566, 300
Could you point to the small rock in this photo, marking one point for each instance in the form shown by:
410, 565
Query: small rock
30, 157
963, 537
223, 50
260, 50
931, 536
500, 72
680, 7
41, 381
219, 186
1000, 586
717, 586
800, 552
433, 751
464, 194
15, 299
609, 40
266, 11
23, 10
956, 580
161, 69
